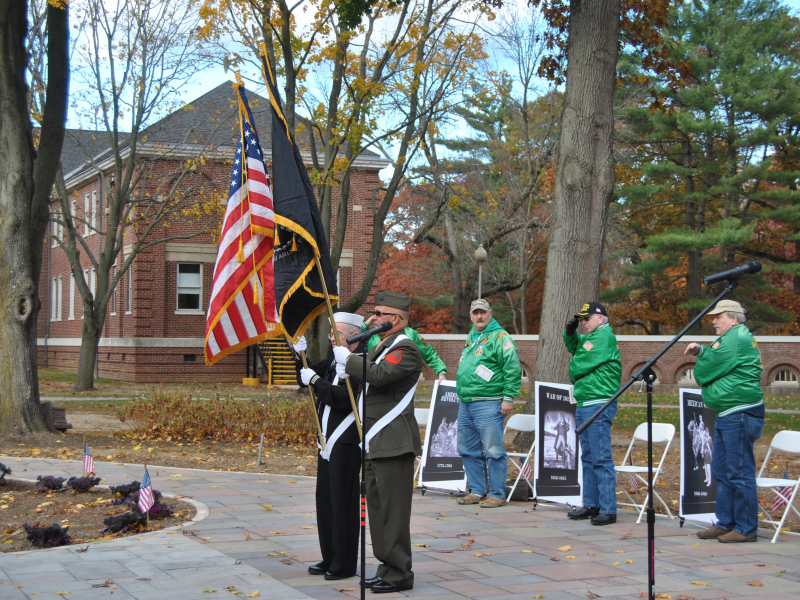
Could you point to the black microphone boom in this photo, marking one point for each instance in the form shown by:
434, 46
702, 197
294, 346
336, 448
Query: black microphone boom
733, 274
360, 337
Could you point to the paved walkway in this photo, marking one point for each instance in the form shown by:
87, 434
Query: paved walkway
511, 553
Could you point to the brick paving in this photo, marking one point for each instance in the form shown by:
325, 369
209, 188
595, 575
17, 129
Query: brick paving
515, 553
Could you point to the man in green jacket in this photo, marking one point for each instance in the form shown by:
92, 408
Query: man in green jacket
729, 371
487, 382
429, 355
596, 371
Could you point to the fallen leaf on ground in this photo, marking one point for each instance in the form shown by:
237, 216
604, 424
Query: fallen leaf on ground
277, 532
84, 549
590, 554
422, 545
755, 583
539, 595
268, 506
273, 554
142, 579
306, 527
255, 594
554, 558
590, 594
698, 583
205, 539
444, 551
628, 562
176, 475
662, 595
668, 569
16, 587
760, 565
616, 564
106, 583
620, 551
141, 538
347, 590
526, 551
247, 537
172, 532
208, 591
479, 554
564, 548
64, 593
570, 557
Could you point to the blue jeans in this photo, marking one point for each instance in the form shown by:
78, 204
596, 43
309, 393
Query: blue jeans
599, 479
480, 429
733, 465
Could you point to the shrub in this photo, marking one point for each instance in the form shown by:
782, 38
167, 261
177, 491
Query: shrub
121, 492
41, 536
178, 417
83, 484
48, 483
4, 470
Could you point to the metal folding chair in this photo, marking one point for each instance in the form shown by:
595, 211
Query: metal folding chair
526, 423
662, 432
784, 441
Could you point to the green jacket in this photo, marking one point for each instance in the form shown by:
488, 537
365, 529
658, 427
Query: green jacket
596, 368
730, 372
428, 354
494, 350
389, 381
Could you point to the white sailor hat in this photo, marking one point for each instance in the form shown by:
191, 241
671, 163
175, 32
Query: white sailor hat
349, 318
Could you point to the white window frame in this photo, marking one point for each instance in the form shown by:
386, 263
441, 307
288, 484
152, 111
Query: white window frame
188, 311
86, 210
93, 286
95, 210
784, 382
130, 290
60, 297
53, 298
54, 229
690, 378
71, 316
114, 295
85, 279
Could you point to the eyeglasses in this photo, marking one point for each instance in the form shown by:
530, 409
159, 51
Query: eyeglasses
383, 314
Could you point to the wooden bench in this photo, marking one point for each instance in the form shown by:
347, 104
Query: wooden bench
56, 416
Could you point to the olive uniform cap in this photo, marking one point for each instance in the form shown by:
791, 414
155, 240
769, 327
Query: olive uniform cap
393, 300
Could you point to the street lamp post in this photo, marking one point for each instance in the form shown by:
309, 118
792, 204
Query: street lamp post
480, 256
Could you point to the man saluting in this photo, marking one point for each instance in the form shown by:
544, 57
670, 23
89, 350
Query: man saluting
391, 438
337, 467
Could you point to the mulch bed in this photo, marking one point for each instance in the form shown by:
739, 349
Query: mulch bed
20, 503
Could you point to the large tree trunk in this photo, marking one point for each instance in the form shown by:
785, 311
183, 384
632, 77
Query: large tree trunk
25, 183
584, 180
90, 341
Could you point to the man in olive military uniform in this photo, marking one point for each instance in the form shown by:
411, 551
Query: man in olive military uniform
338, 466
729, 371
391, 438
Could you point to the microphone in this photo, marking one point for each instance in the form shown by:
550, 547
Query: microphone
360, 337
733, 274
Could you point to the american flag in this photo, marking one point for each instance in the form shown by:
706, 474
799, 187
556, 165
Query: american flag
527, 473
88, 461
241, 309
146, 498
783, 493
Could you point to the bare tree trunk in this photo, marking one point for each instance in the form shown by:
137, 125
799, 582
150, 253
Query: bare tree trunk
584, 180
90, 341
25, 183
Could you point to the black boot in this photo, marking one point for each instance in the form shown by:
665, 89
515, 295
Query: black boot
604, 519
585, 512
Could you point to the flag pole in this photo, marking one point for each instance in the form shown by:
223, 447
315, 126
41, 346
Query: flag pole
338, 343
314, 404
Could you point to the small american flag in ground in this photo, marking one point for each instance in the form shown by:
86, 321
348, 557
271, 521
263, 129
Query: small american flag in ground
146, 498
88, 461
783, 494
527, 473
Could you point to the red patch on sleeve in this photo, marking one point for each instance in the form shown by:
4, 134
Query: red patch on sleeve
394, 357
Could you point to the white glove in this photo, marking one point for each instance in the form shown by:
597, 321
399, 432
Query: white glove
301, 344
306, 375
341, 353
340, 372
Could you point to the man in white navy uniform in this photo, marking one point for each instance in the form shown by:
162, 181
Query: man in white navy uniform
338, 467
391, 437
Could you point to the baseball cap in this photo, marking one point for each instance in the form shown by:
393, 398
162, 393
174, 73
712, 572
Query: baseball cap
727, 306
479, 305
591, 308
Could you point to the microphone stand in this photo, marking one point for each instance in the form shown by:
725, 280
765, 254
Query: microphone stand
647, 376
363, 486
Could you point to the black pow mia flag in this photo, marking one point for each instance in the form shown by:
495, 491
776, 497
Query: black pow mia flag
299, 234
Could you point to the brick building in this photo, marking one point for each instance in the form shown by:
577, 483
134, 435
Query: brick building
155, 327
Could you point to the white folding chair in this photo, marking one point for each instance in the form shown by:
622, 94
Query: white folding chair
662, 432
421, 415
525, 423
784, 441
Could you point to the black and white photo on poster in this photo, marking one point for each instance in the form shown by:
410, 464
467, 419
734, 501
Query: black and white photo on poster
557, 467
442, 466
698, 487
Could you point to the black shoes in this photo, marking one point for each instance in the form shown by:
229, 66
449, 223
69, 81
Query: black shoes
586, 512
372, 581
602, 519
331, 577
316, 570
383, 587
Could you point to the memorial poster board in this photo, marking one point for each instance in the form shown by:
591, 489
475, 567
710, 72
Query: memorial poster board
698, 487
442, 467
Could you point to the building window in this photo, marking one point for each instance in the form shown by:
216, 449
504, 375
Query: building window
54, 229
53, 298
86, 211
60, 297
95, 210
130, 290
785, 377
93, 286
71, 297
114, 295
86, 280
190, 287
687, 376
